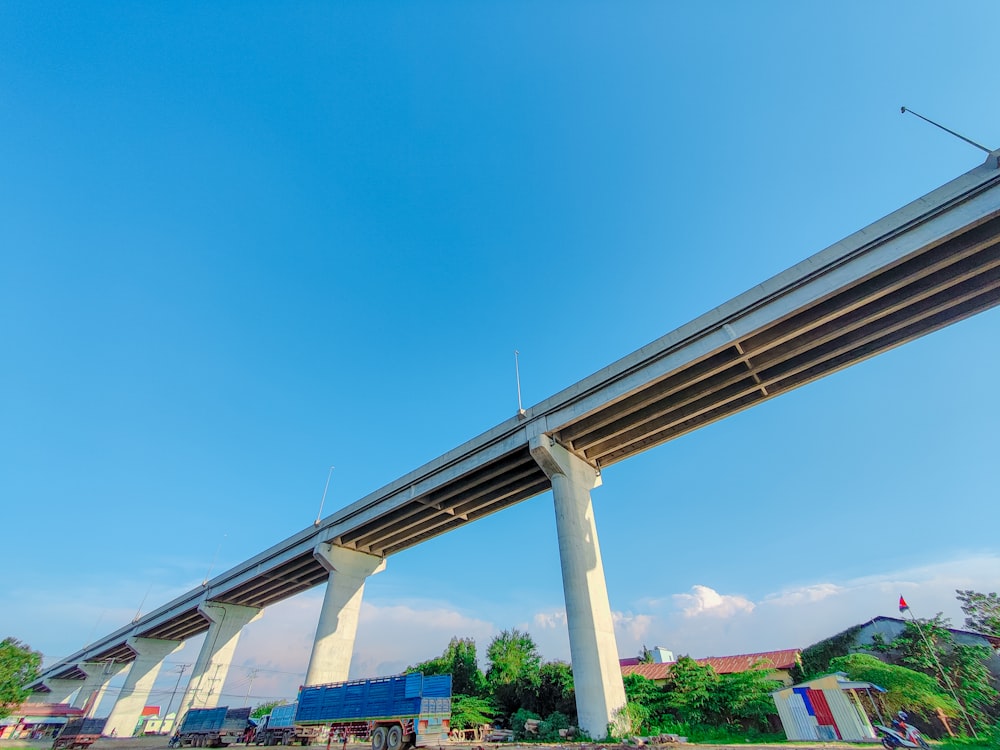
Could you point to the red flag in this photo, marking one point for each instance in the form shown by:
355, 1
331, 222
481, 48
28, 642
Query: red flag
903, 606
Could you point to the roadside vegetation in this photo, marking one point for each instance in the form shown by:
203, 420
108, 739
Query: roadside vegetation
19, 665
519, 688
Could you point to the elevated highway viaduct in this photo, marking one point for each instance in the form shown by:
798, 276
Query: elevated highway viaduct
931, 263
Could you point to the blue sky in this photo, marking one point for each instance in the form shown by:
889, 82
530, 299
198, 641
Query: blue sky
242, 242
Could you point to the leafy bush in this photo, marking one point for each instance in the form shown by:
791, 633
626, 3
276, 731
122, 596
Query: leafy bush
517, 723
548, 730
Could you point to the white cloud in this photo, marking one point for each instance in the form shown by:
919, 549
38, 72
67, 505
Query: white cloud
631, 627
550, 620
706, 623
707, 601
803, 595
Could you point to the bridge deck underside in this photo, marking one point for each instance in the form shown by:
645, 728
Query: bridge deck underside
943, 284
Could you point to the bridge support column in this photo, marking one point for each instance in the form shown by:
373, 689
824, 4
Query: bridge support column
149, 656
216, 655
95, 684
600, 692
338, 619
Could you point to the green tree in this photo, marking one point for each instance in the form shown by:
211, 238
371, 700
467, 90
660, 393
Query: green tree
19, 665
513, 674
982, 611
468, 711
555, 693
744, 698
692, 690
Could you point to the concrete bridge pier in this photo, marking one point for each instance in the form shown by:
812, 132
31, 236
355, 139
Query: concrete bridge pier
600, 692
149, 656
338, 619
216, 656
95, 684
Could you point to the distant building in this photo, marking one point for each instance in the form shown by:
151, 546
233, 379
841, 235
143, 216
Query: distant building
37, 721
892, 627
780, 662
857, 639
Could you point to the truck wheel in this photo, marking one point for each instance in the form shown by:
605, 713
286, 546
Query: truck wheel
379, 737
394, 739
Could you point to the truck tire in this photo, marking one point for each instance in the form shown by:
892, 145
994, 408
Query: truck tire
394, 738
379, 738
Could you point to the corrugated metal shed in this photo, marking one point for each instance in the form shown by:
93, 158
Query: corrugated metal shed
825, 708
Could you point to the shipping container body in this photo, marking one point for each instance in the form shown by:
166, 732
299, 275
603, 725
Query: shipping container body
79, 733
394, 712
214, 727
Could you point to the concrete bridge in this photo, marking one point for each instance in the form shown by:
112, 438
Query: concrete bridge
923, 267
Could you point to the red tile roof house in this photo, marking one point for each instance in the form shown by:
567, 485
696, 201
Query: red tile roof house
781, 662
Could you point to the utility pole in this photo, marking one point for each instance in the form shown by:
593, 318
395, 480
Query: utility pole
180, 673
253, 673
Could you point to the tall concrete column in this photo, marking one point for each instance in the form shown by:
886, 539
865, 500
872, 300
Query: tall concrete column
338, 619
597, 675
149, 656
210, 669
95, 684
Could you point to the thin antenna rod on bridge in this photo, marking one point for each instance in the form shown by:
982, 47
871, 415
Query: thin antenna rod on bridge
517, 375
981, 147
212, 565
319, 515
138, 612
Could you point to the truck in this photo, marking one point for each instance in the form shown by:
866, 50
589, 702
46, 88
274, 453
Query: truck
279, 728
81, 732
397, 712
213, 727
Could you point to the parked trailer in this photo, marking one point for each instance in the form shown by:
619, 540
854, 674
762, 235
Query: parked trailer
79, 733
407, 710
213, 727
279, 728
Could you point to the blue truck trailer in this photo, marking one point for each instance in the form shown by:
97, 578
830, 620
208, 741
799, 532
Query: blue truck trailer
407, 710
213, 727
